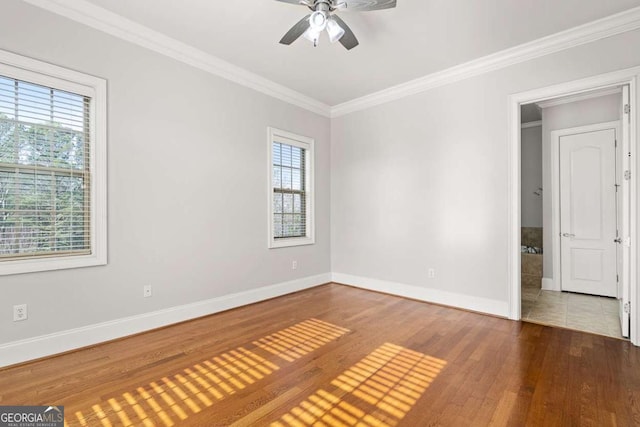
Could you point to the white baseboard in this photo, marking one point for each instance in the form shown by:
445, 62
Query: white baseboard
467, 302
59, 342
547, 284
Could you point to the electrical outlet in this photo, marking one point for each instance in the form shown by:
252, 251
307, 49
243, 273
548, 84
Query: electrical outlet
147, 291
19, 312
294, 265
432, 273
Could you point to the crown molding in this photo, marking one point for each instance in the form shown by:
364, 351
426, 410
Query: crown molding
101, 19
118, 26
606, 27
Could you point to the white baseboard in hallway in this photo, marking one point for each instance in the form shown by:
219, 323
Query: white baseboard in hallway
467, 302
59, 342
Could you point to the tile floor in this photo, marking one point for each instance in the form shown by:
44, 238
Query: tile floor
587, 313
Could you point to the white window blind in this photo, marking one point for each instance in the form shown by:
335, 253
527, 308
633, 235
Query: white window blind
289, 193
290, 189
45, 200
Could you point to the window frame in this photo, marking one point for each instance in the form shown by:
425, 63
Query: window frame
306, 143
42, 73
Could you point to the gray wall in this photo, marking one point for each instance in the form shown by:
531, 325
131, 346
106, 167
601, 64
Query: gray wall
423, 181
531, 176
417, 183
581, 113
187, 184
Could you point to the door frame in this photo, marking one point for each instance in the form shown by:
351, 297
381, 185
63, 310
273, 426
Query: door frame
555, 190
629, 77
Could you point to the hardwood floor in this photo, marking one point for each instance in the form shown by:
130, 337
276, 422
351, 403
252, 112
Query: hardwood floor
340, 356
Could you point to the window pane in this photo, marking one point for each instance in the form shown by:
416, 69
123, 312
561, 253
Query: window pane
296, 157
276, 154
286, 178
34, 146
296, 179
287, 226
288, 203
297, 203
277, 202
298, 225
286, 155
7, 98
70, 214
277, 226
67, 150
277, 177
7, 141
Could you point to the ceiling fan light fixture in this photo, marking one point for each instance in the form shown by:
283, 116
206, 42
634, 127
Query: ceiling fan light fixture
318, 21
334, 30
321, 18
312, 35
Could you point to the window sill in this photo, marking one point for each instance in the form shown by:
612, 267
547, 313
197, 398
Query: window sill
35, 265
294, 241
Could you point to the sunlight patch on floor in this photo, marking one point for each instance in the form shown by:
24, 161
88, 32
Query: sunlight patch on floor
173, 398
379, 390
298, 340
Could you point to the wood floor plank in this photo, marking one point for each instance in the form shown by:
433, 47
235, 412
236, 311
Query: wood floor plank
340, 356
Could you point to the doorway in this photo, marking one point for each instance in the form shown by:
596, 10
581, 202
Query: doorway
582, 273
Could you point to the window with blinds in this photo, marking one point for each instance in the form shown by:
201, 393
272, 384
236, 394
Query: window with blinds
44, 174
47, 193
290, 164
289, 196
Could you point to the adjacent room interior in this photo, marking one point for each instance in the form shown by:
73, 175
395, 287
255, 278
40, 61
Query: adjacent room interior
572, 299
298, 213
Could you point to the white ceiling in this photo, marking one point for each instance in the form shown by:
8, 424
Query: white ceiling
417, 38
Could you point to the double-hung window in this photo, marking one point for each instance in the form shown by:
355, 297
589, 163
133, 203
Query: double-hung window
52, 167
290, 189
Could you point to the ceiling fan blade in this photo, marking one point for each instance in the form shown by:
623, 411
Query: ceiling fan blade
348, 40
290, 1
365, 5
296, 31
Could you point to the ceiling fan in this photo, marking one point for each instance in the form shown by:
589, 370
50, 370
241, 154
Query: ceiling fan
312, 25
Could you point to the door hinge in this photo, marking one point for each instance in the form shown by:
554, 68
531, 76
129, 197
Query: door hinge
627, 307
627, 175
617, 278
627, 108
615, 143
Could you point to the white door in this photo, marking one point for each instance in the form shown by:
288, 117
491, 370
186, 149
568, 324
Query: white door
588, 212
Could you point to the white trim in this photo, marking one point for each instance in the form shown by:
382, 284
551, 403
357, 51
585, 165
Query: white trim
628, 76
634, 167
43, 73
59, 342
579, 97
466, 302
101, 19
108, 22
606, 27
555, 189
528, 125
514, 220
547, 284
307, 144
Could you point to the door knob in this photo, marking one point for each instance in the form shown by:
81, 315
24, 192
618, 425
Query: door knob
568, 235
618, 240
